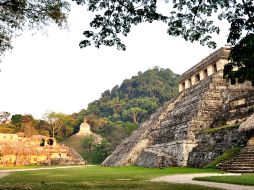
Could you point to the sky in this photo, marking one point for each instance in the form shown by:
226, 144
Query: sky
49, 72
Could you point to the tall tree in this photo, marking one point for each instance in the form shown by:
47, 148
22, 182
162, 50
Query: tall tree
241, 64
18, 15
135, 113
4, 117
16, 119
191, 19
55, 123
87, 143
28, 125
59, 124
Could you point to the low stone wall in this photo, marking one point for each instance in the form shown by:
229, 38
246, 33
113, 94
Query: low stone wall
213, 144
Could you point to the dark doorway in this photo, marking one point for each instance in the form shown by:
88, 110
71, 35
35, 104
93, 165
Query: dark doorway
205, 73
197, 78
42, 143
50, 142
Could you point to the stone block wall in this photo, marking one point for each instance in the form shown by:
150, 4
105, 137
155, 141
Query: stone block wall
213, 144
172, 133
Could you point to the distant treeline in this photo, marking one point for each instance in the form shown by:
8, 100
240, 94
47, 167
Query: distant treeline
57, 125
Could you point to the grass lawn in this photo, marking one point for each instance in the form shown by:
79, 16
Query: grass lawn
245, 179
97, 177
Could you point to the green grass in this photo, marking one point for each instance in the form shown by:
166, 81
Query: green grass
97, 177
227, 155
245, 179
216, 129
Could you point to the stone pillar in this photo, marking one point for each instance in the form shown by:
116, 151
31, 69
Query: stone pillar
193, 80
187, 83
181, 87
210, 70
202, 75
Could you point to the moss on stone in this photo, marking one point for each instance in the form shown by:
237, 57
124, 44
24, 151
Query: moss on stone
217, 129
227, 155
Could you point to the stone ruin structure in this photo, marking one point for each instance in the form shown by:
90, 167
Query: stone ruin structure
85, 130
244, 161
17, 150
75, 140
196, 126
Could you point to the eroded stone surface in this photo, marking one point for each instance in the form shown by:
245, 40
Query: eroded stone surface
172, 134
37, 149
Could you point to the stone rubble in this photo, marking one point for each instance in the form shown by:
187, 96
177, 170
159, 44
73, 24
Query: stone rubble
16, 150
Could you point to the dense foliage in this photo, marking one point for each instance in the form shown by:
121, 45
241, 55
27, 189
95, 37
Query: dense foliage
241, 65
191, 19
56, 125
120, 110
18, 15
139, 96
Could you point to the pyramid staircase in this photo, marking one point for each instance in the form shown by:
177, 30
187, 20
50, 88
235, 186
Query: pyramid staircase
243, 162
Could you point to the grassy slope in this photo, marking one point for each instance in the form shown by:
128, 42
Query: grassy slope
96, 177
246, 179
74, 141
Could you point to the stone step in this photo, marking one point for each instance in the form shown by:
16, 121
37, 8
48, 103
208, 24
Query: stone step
237, 168
244, 155
186, 104
239, 164
191, 92
249, 146
242, 159
251, 142
240, 171
195, 91
247, 150
250, 151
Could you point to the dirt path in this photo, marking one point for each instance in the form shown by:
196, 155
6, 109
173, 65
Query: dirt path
188, 178
3, 174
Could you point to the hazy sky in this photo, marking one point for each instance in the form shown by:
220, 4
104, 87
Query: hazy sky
50, 72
